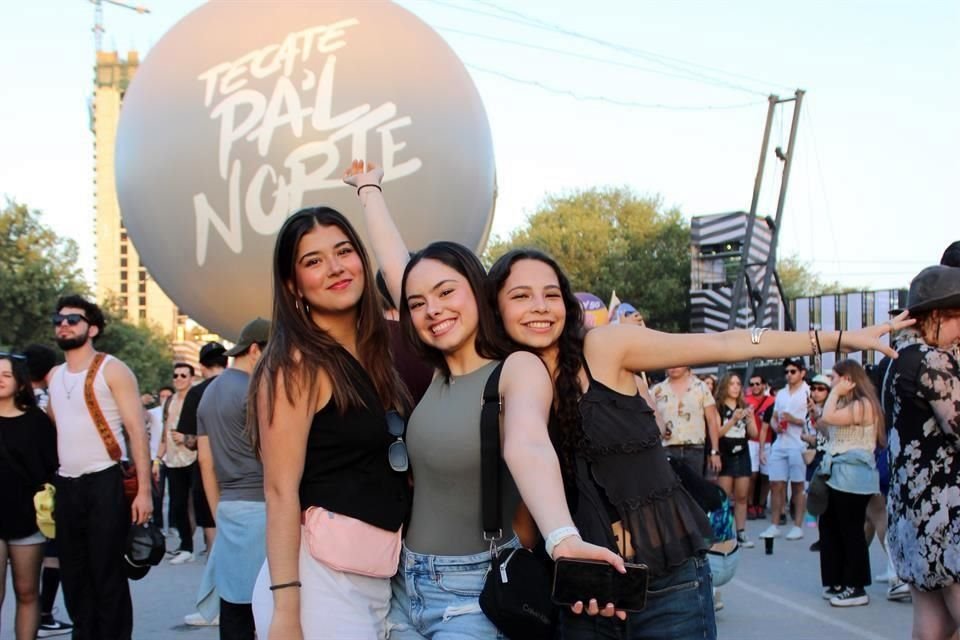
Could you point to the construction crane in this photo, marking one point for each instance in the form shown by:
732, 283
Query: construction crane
98, 17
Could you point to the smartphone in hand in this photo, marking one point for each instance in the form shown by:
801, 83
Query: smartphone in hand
582, 580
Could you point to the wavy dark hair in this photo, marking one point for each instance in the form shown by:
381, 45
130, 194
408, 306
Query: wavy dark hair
722, 387
489, 342
23, 397
863, 391
301, 349
566, 430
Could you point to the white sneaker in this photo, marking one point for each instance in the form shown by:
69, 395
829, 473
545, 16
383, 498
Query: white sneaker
744, 541
181, 557
898, 591
773, 531
795, 533
197, 620
885, 577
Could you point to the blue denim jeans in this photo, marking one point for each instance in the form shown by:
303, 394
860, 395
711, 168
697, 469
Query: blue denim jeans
438, 597
679, 607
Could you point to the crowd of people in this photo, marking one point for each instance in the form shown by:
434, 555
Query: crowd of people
299, 457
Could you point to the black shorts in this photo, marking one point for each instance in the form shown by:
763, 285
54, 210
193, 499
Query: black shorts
736, 465
201, 508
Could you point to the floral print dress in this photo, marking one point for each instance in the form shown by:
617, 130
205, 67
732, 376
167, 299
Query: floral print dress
924, 502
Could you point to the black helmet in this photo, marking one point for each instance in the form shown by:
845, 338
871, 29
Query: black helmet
145, 548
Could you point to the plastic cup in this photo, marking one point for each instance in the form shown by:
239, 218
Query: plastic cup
768, 546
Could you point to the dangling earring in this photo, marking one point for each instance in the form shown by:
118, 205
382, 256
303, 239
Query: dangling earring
296, 303
306, 307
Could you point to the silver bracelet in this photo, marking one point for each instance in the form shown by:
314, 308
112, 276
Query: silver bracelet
756, 333
557, 536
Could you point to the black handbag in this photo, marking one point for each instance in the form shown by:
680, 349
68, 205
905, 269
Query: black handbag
516, 593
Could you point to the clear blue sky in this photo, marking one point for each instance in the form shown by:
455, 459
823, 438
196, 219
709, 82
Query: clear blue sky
877, 150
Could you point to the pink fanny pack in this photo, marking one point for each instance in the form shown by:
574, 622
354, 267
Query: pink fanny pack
347, 544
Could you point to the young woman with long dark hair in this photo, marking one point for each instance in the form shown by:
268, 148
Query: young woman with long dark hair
856, 427
736, 426
318, 411
609, 439
446, 559
28, 458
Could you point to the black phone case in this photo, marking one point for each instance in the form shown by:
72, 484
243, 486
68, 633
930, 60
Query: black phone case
580, 580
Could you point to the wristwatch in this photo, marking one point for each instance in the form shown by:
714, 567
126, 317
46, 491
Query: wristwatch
714, 452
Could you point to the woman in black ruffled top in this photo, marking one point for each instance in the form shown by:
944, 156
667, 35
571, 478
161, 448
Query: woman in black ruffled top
627, 496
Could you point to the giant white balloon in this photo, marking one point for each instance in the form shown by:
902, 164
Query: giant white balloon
245, 112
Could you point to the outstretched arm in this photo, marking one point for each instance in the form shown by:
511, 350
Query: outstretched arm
388, 246
641, 349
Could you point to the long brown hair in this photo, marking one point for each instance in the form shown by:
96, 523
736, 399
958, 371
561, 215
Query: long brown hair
301, 349
722, 387
863, 391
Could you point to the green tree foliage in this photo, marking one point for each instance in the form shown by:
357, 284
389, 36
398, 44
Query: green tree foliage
36, 268
143, 348
611, 238
799, 280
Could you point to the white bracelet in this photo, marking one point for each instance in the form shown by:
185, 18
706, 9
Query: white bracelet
559, 535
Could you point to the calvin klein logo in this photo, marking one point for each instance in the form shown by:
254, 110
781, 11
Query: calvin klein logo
536, 614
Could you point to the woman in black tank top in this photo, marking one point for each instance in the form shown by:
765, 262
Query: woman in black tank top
317, 414
609, 441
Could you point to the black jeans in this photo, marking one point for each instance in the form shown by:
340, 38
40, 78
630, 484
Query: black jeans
93, 520
181, 480
158, 490
236, 621
844, 557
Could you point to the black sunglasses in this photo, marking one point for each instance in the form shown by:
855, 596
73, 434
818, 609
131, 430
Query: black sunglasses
819, 388
756, 384
791, 372
73, 319
181, 375
397, 452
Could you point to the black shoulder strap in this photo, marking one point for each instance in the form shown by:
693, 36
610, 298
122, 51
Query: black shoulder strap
490, 457
586, 368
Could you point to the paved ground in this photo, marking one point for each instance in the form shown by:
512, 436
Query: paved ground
772, 597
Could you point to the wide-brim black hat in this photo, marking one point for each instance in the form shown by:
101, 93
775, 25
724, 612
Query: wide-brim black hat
936, 287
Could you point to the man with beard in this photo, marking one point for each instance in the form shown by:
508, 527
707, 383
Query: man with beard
92, 516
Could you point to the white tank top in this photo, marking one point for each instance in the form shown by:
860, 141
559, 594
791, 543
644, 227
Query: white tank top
859, 436
79, 445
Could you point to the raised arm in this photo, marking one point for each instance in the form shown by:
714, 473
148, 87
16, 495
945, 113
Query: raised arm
854, 413
388, 245
636, 348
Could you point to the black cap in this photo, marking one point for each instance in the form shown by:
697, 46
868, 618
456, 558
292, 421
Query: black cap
797, 362
211, 350
145, 548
